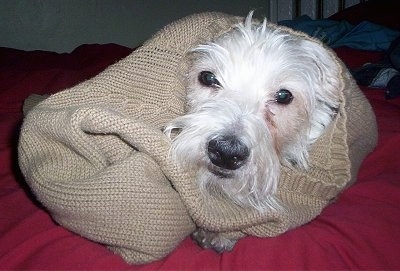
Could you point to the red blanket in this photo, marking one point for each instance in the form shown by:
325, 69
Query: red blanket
361, 230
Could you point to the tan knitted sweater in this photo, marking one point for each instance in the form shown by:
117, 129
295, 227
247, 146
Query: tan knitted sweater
96, 157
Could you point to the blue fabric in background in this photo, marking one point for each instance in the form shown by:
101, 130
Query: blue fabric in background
364, 36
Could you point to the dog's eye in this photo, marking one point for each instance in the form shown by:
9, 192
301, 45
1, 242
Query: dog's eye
208, 79
283, 96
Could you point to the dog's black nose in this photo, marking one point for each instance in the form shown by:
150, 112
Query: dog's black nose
227, 152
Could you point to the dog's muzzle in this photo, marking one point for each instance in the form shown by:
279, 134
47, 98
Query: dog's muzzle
227, 152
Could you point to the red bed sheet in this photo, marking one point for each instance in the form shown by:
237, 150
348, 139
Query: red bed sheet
361, 230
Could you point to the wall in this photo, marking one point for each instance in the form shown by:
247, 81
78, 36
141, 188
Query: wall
62, 25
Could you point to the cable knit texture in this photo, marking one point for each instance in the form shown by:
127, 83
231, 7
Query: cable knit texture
96, 158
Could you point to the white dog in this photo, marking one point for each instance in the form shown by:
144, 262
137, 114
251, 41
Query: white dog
258, 97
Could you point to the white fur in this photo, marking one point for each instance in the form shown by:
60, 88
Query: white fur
252, 62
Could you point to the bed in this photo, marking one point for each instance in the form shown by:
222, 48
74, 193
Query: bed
361, 230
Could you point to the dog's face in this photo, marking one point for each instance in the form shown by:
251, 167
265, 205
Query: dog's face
258, 96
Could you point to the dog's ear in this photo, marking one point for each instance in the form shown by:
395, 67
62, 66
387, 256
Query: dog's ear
328, 73
327, 69
324, 72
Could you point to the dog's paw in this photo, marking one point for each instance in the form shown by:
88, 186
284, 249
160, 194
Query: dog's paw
216, 241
